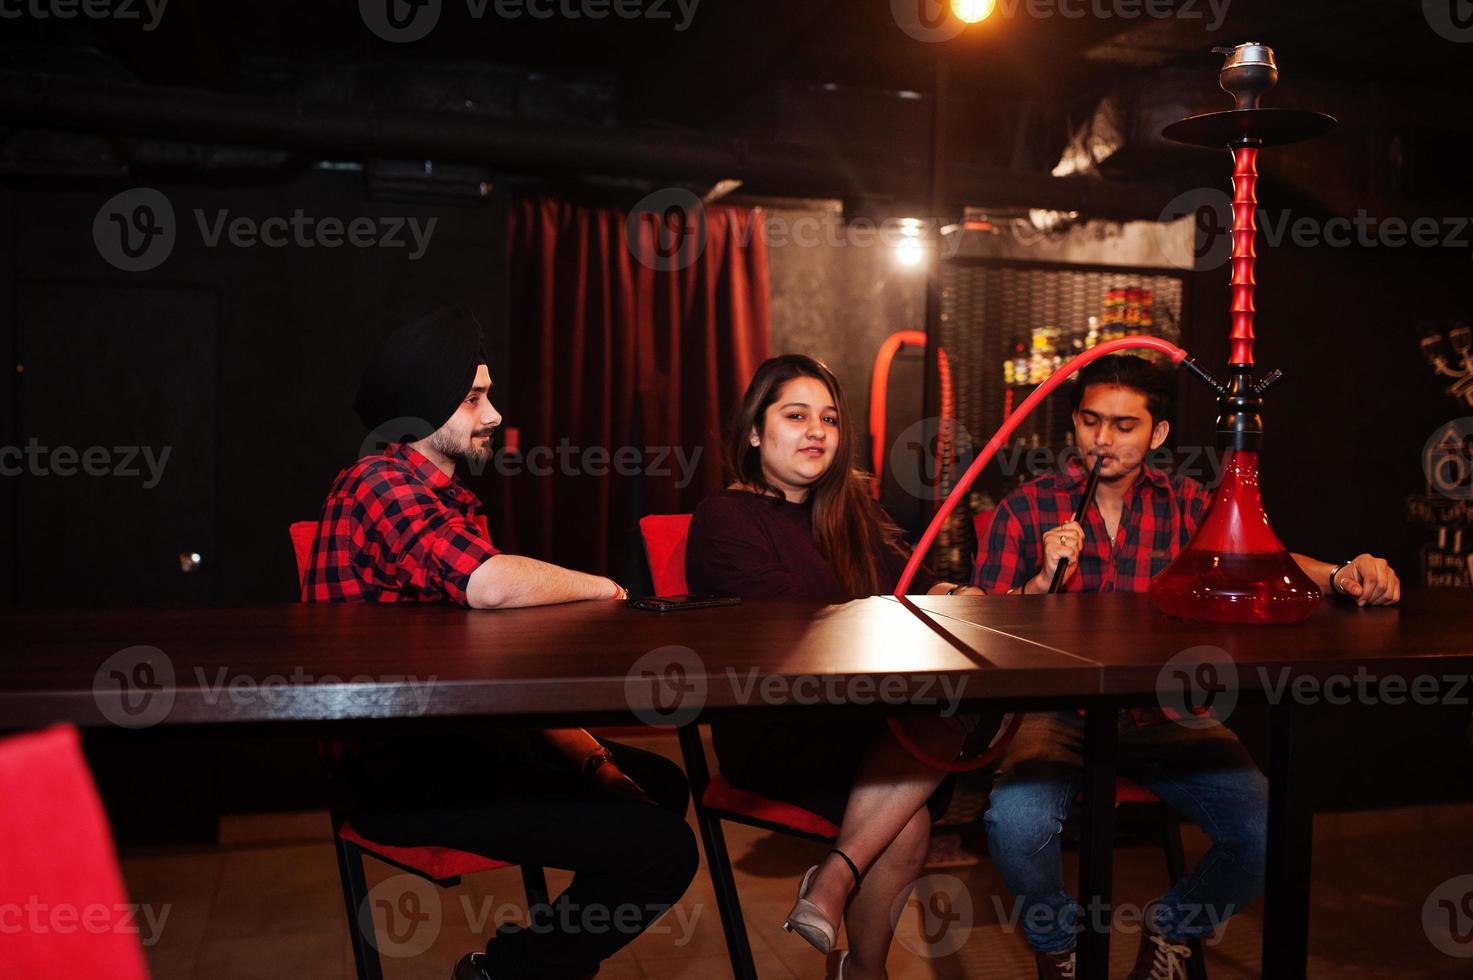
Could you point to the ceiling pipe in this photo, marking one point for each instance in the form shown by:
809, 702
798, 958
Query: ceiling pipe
359, 132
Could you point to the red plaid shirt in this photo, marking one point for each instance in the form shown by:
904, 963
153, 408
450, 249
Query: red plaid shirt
1159, 516
395, 528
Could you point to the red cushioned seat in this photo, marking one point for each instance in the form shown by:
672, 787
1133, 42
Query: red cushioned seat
438, 863
1128, 791
721, 795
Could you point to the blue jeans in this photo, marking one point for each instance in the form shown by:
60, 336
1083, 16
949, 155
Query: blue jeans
1204, 774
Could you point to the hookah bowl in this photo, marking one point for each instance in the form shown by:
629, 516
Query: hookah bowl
1235, 569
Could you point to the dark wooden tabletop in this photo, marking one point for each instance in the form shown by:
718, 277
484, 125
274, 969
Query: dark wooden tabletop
308, 662
1428, 633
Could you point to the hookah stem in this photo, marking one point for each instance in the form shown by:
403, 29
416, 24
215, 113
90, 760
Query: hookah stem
1090, 486
1000, 437
1245, 230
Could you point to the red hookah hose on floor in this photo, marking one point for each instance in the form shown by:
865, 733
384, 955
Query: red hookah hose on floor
1000, 438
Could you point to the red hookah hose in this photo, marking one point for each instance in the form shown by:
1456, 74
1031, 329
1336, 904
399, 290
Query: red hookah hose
999, 438
879, 386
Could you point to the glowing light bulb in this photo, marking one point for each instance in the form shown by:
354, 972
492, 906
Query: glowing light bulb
909, 252
973, 11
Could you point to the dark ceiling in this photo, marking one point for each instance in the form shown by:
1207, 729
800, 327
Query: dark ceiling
842, 79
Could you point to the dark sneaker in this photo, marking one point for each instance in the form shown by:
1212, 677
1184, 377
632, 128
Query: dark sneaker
469, 968
1055, 966
1160, 959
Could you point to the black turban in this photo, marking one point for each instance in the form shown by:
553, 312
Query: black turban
423, 370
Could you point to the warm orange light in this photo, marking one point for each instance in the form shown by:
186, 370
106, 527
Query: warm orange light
973, 11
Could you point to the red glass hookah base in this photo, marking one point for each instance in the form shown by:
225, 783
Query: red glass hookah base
1235, 569
1227, 587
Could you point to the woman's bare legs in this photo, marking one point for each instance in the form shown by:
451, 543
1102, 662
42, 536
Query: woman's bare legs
870, 917
886, 810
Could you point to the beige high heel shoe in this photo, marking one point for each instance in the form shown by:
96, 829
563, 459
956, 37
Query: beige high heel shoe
807, 921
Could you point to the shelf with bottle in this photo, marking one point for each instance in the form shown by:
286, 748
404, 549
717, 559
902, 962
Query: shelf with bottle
1127, 310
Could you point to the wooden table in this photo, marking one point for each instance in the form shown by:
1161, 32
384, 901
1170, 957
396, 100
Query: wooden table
381, 666
1429, 635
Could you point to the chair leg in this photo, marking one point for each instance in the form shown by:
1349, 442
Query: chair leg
355, 893
718, 862
1176, 869
728, 901
534, 883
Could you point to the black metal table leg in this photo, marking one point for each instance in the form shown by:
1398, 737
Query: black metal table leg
1097, 841
1290, 845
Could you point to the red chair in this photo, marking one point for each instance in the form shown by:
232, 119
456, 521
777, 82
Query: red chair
442, 865
58, 859
715, 799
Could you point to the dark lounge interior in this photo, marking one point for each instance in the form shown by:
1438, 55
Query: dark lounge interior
214, 213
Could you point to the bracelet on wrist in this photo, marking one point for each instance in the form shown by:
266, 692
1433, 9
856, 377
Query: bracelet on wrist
596, 761
1334, 585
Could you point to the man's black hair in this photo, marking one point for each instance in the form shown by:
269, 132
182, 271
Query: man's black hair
1127, 371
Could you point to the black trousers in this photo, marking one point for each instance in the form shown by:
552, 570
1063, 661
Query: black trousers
509, 797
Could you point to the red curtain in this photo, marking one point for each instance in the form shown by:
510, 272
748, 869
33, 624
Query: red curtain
627, 335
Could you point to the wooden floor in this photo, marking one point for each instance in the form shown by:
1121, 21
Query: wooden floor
266, 904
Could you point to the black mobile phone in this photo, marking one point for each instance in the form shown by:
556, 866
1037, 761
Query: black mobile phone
677, 603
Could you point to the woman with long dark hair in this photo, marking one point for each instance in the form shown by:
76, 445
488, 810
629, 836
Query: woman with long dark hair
797, 520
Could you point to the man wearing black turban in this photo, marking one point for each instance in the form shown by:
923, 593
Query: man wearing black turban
399, 527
